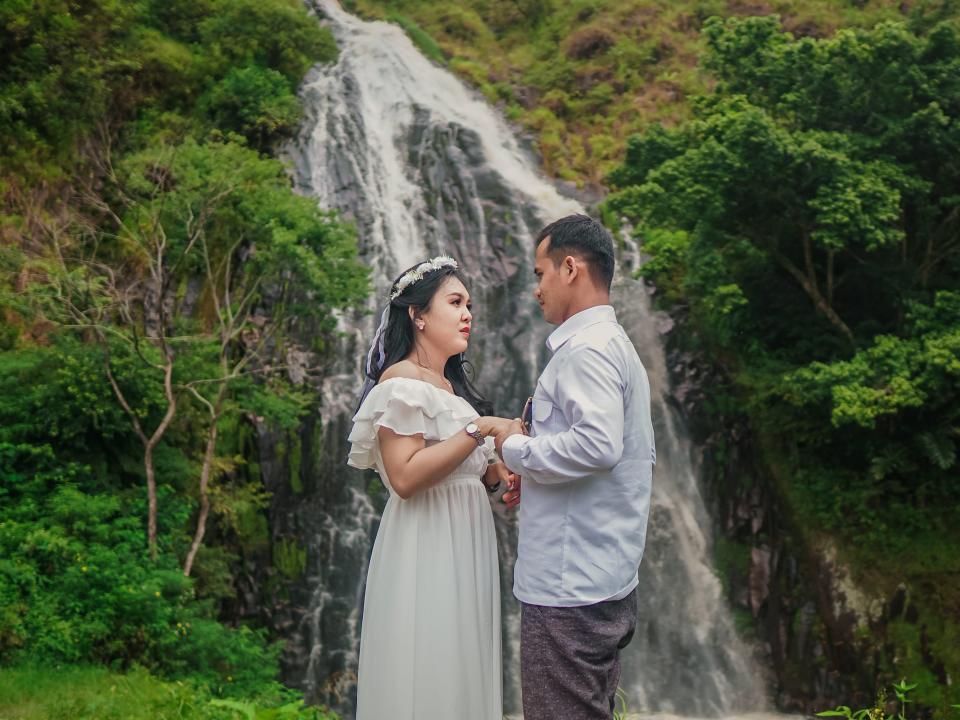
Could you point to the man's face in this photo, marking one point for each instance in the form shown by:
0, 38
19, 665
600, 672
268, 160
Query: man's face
551, 292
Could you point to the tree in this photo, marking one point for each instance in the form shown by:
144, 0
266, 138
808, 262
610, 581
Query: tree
211, 267
817, 157
809, 215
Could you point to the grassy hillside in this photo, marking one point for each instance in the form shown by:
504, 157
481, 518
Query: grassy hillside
587, 74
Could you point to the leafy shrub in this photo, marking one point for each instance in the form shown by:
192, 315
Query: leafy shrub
254, 102
37, 692
588, 42
76, 586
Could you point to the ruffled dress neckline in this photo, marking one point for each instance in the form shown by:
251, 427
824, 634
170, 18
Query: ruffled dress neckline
409, 406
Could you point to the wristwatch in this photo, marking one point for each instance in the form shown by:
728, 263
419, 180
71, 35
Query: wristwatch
474, 431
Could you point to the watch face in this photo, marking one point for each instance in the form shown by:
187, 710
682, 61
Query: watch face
472, 428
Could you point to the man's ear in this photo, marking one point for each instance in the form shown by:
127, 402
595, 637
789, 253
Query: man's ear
570, 265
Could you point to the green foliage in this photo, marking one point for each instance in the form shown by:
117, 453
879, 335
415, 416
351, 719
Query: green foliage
70, 596
806, 214
58, 393
65, 68
606, 68
291, 711
225, 192
53, 82
277, 34
289, 558
128, 129
802, 184
902, 692
732, 560
97, 694
80, 588
419, 37
89, 693
620, 710
76, 585
893, 376
269, 261
255, 102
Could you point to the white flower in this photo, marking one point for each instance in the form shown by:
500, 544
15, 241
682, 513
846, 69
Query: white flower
419, 271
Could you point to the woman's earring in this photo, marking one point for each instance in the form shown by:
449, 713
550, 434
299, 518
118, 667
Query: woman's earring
420, 324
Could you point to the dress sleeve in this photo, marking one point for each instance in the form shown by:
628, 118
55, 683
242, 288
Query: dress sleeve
408, 407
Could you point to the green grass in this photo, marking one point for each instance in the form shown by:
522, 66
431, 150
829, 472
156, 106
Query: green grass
98, 694
92, 693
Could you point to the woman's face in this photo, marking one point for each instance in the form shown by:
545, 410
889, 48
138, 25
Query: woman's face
448, 322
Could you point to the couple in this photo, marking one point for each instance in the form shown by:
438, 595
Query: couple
430, 641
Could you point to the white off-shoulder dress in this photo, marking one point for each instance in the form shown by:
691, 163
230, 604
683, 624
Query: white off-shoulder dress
430, 636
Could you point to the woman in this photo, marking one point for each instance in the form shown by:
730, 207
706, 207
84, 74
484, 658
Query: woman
430, 640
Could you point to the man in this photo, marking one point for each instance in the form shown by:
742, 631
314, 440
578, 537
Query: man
586, 469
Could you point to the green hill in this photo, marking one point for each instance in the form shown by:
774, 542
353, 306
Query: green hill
585, 75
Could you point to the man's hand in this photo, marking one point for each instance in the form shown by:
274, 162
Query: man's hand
499, 473
511, 498
514, 428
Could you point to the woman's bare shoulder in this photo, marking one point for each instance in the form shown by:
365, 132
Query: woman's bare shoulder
402, 369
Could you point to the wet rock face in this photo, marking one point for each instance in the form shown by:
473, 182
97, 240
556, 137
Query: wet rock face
325, 524
472, 213
822, 635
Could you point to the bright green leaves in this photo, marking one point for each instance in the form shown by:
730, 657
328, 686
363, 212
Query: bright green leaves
856, 206
891, 375
737, 168
231, 195
278, 34
879, 381
148, 236
807, 216
819, 156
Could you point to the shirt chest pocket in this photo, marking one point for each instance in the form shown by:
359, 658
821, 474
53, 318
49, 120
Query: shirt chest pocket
545, 414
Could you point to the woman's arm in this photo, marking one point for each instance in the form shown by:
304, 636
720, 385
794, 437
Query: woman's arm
412, 466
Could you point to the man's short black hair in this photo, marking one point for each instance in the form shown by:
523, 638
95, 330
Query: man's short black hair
583, 236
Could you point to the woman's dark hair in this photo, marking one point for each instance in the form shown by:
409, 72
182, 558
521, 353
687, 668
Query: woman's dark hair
399, 335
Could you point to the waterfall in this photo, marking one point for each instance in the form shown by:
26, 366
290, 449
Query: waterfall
422, 165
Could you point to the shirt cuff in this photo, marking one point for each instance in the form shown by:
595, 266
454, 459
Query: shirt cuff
512, 452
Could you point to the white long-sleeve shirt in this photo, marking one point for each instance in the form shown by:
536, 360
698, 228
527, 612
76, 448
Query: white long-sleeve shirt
587, 467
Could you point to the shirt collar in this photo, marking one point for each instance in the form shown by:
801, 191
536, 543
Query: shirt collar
575, 323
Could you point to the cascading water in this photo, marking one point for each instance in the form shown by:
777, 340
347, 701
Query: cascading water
422, 165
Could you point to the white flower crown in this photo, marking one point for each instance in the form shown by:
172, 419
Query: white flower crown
412, 276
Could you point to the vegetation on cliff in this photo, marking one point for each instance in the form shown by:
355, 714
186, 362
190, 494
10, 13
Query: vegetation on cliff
806, 218
584, 76
155, 271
